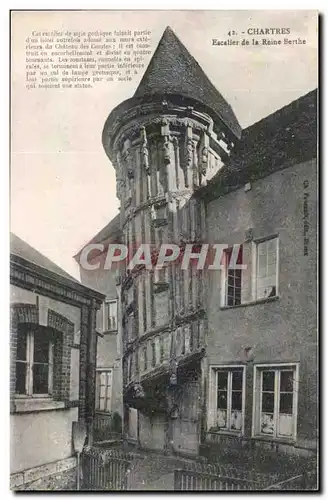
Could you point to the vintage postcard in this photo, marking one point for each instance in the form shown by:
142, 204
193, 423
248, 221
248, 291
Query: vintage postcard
164, 250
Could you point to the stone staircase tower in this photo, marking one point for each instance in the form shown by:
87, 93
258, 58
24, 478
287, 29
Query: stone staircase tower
165, 142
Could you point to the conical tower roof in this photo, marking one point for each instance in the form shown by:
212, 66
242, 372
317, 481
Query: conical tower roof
174, 71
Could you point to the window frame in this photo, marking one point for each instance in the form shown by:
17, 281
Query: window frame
257, 400
105, 318
99, 371
225, 277
255, 272
212, 397
29, 363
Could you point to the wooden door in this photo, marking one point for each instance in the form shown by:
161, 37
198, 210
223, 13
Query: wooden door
186, 427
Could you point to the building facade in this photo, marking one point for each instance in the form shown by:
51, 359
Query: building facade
52, 371
214, 358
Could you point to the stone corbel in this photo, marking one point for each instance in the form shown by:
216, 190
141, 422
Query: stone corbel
138, 391
204, 153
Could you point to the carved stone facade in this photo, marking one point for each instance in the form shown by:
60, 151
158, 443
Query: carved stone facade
163, 152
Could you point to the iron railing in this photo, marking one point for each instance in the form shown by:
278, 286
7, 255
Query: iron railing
115, 470
105, 469
105, 428
215, 477
302, 482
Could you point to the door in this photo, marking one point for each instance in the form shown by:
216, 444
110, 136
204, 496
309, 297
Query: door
186, 427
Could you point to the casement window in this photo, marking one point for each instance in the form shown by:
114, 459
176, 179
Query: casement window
275, 401
34, 363
104, 390
232, 277
229, 388
266, 269
110, 315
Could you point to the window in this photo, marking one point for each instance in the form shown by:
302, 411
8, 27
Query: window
104, 390
153, 354
267, 268
275, 401
229, 411
232, 277
34, 363
145, 358
110, 315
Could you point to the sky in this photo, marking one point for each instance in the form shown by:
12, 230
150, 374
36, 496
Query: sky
62, 183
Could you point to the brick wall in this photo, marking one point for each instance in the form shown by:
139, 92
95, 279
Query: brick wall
63, 339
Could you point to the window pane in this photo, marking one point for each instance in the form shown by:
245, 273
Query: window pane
222, 400
285, 425
111, 315
261, 292
266, 269
222, 419
262, 265
222, 380
268, 381
286, 403
41, 347
272, 257
268, 402
286, 381
40, 379
231, 280
267, 423
236, 400
271, 272
237, 380
20, 378
262, 248
21, 346
236, 420
272, 246
238, 280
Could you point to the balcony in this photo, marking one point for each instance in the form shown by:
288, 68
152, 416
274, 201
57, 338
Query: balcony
151, 359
